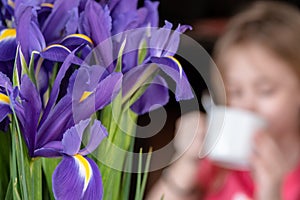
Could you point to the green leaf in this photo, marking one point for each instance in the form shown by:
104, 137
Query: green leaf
31, 74
121, 126
145, 176
142, 51
5, 146
9, 193
120, 56
139, 176
49, 165
16, 80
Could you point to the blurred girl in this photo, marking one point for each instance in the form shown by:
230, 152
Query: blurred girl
259, 59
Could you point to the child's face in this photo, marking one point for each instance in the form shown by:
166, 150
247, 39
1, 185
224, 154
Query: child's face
257, 80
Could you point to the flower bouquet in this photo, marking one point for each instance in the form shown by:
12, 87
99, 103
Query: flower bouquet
74, 76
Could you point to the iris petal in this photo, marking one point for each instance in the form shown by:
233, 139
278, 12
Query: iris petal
4, 99
98, 132
68, 182
94, 189
72, 138
77, 177
4, 111
173, 69
155, 96
8, 44
55, 52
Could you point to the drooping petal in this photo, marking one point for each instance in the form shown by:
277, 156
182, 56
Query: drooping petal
173, 68
97, 134
76, 40
32, 108
94, 189
4, 110
68, 179
77, 177
72, 138
155, 96
8, 44
55, 52
63, 12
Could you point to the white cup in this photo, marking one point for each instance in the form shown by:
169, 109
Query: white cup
228, 140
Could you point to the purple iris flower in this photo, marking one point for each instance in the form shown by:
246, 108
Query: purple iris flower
162, 45
78, 176
90, 89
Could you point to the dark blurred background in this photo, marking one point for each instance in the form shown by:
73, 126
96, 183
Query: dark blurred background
208, 19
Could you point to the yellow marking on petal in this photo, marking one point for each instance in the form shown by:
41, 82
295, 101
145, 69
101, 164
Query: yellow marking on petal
81, 36
11, 3
85, 95
56, 45
49, 5
8, 33
87, 168
4, 98
178, 64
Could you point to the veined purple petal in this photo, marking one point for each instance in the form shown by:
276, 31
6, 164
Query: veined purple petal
156, 96
94, 189
124, 6
102, 95
4, 111
173, 43
32, 108
96, 23
159, 39
173, 68
8, 44
125, 21
55, 52
63, 12
5, 82
76, 40
84, 86
151, 17
55, 124
51, 149
72, 138
97, 133
68, 179
77, 177
28, 33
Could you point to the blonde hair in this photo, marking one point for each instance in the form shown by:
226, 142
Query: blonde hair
274, 25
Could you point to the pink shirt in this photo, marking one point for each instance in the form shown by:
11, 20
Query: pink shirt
238, 185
